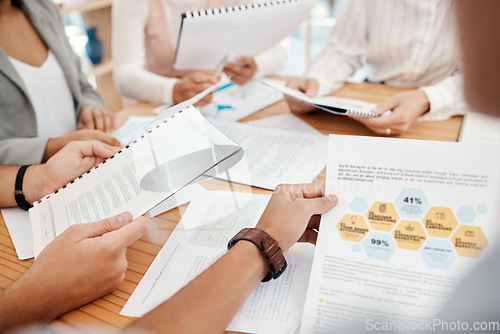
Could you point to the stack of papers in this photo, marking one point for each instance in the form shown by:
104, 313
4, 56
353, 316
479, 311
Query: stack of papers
200, 239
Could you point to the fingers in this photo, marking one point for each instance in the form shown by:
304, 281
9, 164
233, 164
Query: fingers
320, 205
307, 190
311, 88
131, 232
98, 117
86, 120
108, 139
202, 78
206, 100
101, 227
93, 148
388, 104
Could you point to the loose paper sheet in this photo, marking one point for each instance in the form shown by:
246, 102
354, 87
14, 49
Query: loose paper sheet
274, 156
235, 102
413, 218
274, 307
19, 226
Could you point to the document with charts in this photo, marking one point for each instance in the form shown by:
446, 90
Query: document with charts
183, 149
413, 218
199, 239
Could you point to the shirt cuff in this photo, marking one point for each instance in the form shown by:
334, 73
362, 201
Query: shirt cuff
168, 91
439, 98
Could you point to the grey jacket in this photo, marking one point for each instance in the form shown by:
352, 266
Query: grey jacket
19, 143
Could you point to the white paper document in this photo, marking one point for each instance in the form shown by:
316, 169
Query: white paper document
274, 156
133, 128
183, 196
479, 128
287, 122
19, 226
332, 104
139, 177
274, 307
206, 36
413, 218
235, 102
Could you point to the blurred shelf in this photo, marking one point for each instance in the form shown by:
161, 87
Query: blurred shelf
101, 69
68, 6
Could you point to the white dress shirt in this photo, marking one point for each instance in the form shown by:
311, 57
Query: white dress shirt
129, 57
408, 43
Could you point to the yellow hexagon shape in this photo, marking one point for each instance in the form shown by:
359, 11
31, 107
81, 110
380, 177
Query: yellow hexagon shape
353, 227
440, 222
469, 241
409, 235
382, 216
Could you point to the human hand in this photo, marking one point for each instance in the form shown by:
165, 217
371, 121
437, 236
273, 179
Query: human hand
307, 86
85, 262
56, 144
70, 162
242, 72
294, 213
96, 118
191, 85
406, 108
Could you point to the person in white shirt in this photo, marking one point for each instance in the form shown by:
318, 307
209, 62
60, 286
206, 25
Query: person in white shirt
411, 43
145, 34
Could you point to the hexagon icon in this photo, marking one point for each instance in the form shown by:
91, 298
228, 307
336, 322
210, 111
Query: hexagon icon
382, 216
469, 241
466, 214
440, 222
411, 203
409, 235
379, 245
438, 253
353, 227
359, 205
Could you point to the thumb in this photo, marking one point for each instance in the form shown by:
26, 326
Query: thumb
388, 104
312, 87
98, 228
321, 205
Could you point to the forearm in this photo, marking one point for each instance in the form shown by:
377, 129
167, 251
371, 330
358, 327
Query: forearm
33, 187
212, 299
21, 305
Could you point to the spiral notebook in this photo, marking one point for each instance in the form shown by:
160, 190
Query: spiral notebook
206, 36
183, 149
332, 104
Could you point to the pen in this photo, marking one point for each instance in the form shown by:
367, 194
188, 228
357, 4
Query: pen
220, 67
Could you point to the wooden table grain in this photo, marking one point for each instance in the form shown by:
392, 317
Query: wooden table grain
104, 312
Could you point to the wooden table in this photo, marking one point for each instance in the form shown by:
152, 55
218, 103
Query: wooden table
104, 312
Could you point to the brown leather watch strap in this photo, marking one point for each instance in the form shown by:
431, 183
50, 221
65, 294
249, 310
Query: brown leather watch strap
272, 252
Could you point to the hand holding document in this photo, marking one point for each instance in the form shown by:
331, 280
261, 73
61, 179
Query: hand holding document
200, 239
177, 152
413, 218
332, 104
208, 35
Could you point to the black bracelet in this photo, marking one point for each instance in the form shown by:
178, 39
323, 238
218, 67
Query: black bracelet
18, 190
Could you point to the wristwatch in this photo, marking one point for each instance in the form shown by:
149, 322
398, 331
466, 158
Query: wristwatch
276, 263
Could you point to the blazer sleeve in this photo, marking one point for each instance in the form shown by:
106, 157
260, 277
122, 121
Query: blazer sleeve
22, 151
